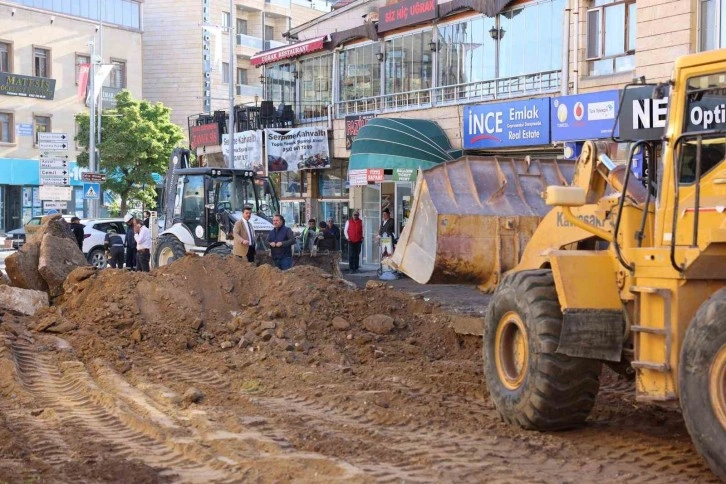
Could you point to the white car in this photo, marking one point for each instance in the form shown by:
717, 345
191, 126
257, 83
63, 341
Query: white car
95, 231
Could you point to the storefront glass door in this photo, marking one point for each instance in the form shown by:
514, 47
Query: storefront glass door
338, 211
371, 221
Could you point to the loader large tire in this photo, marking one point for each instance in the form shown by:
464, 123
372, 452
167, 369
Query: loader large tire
702, 377
531, 385
168, 249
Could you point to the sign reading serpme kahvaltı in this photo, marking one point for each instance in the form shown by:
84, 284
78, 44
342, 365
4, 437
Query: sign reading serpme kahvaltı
27, 86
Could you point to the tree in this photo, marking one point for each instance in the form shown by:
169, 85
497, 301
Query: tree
137, 138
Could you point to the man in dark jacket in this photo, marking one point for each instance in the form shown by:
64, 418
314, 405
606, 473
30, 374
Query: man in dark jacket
281, 240
114, 248
325, 240
130, 243
335, 231
77, 229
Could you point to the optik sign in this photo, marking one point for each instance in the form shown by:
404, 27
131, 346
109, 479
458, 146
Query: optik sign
517, 123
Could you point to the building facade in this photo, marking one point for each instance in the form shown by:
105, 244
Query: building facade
43, 46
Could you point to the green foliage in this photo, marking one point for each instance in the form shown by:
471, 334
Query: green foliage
137, 138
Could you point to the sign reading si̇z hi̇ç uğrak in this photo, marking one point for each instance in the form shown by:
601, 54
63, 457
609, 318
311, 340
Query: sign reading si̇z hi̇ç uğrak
405, 12
27, 86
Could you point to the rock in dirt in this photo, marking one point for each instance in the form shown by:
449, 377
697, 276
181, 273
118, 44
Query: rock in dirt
136, 336
64, 327
59, 256
374, 284
193, 395
226, 344
22, 268
340, 324
197, 323
78, 275
25, 301
379, 324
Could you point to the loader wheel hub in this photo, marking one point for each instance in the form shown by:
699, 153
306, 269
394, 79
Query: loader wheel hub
165, 255
717, 385
511, 350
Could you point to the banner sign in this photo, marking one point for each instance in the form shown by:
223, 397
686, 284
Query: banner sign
517, 123
641, 116
375, 175
27, 86
406, 12
297, 149
358, 178
584, 116
247, 150
204, 135
84, 71
353, 124
404, 174
288, 51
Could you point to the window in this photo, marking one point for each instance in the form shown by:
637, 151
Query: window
407, 63
241, 76
611, 36
41, 125
117, 78
6, 127
80, 60
713, 24
360, 73
269, 32
241, 26
281, 83
226, 20
6, 55
225, 72
41, 62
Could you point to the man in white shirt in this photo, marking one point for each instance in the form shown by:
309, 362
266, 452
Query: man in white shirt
142, 236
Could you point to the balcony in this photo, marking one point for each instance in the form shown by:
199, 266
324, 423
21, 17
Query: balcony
249, 41
271, 44
247, 90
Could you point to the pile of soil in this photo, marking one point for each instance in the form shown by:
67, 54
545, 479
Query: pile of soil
216, 304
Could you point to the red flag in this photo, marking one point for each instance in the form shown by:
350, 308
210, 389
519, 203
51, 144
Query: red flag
83, 71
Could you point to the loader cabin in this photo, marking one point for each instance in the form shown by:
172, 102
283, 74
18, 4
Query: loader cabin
203, 193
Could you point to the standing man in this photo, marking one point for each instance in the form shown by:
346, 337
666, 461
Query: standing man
77, 229
142, 235
335, 231
281, 240
244, 236
354, 233
147, 217
130, 243
386, 224
309, 235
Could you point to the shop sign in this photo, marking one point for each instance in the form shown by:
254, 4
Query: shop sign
27, 86
247, 150
204, 135
353, 124
24, 129
404, 174
108, 96
288, 51
406, 12
641, 116
517, 123
358, 178
297, 149
584, 116
375, 175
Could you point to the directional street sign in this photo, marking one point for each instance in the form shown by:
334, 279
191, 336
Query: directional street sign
89, 176
55, 193
53, 137
91, 191
48, 172
53, 145
53, 163
55, 180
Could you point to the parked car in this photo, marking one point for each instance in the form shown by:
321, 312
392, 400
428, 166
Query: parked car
15, 239
94, 233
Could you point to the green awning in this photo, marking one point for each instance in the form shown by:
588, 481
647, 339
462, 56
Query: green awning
399, 143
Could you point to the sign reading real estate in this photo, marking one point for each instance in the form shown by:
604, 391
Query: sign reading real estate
353, 124
517, 123
405, 12
584, 116
247, 150
27, 86
297, 149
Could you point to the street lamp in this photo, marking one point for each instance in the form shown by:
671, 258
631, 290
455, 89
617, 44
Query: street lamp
496, 33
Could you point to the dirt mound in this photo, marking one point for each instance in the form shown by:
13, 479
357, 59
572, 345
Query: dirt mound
215, 303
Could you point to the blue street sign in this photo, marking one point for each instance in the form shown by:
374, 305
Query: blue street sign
516, 123
91, 191
584, 116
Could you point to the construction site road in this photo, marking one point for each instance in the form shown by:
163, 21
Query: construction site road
290, 377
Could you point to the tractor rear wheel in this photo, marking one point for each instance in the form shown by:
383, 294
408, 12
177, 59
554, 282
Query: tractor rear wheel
168, 249
702, 377
531, 385
222, 249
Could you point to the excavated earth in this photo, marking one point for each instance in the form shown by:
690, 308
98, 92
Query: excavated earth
214, 370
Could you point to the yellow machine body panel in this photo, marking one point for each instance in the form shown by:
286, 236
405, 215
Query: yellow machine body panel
585, 279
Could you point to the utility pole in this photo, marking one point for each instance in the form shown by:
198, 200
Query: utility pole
232, 81
92, 204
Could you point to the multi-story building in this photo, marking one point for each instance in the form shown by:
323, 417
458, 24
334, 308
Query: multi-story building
498, 77
187, 50
43, 45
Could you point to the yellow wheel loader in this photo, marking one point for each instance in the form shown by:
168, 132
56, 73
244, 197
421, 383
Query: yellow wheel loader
638, 281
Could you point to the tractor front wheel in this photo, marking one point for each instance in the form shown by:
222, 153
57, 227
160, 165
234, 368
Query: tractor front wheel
531, 385
168, 249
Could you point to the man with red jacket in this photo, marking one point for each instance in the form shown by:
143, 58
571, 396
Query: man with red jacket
354, 233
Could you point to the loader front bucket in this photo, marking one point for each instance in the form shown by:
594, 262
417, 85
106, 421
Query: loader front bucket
471, 218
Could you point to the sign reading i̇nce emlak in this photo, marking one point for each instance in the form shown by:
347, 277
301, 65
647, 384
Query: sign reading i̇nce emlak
517, 123
27, 86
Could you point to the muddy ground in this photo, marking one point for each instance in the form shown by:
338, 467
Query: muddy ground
212, 370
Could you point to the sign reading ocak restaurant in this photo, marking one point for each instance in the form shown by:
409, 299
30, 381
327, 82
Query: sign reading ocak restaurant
27, 86
297, 149
405, 12
247, 150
